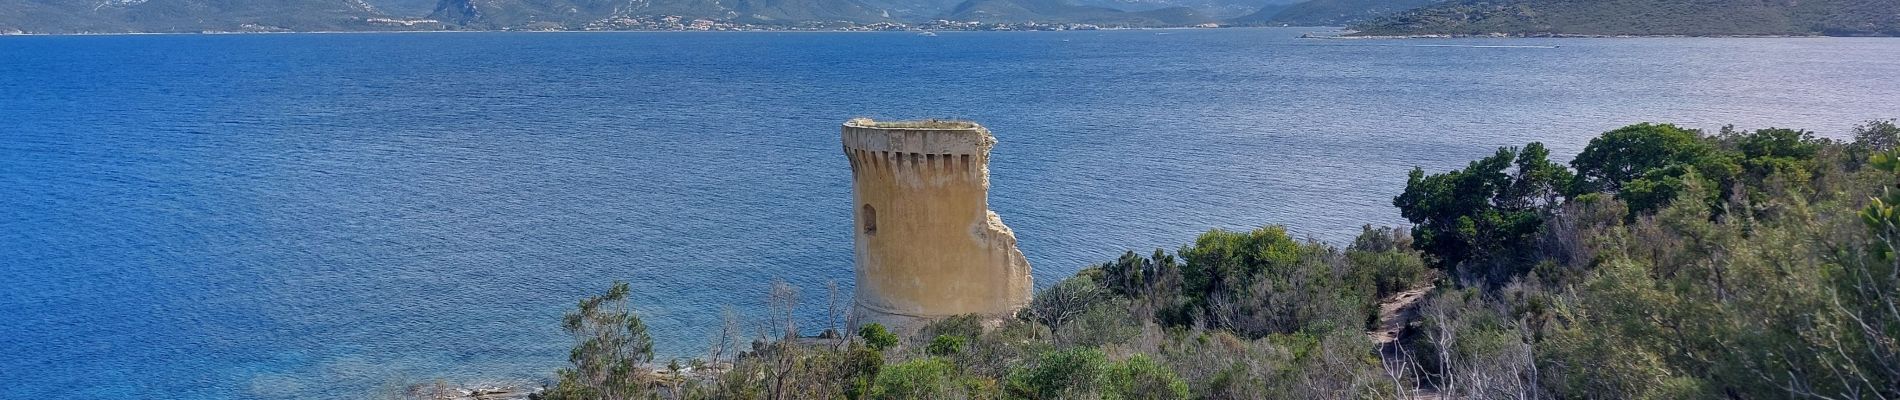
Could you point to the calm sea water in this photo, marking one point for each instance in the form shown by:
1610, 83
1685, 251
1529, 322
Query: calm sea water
325, 215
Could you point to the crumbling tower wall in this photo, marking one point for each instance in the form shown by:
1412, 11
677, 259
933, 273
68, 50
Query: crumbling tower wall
927, 244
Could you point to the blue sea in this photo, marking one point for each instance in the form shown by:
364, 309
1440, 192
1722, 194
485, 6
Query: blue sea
334, 215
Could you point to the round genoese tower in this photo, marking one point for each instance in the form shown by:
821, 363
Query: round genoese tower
927, 244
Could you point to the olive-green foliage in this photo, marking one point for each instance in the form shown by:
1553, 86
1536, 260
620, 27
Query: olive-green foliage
1106, 322
964, 326
1141, 378
927, 378
1216, 364
990, 355
1065, 301
1222, 260
788, 370
1263, 282
1482, 216
1475, 346
1383, 263
1481, 222
1781, 164
1132, 275
1765, 294
946, 345
1254, 283
1729, 274
610, 345
1064, 374
1383, 258
877, 337
1687, 306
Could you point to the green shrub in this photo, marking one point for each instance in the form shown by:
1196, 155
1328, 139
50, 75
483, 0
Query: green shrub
945, 345
1065, 374
928, 378
877, 337
1140, 378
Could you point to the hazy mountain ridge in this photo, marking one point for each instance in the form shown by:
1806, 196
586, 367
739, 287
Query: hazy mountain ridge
1215, 8
582, 14
1646, 17
171, 16
1061, 11
1329, 12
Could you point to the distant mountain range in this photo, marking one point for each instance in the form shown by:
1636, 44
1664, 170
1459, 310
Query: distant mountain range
165, 16
111, 16
579, 14
1017, 11
1327, 12
1370, 17
1216, 8
1645, 17
530, 14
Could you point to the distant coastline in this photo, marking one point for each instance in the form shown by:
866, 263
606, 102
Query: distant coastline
1506, 35
1000, 27
678, 24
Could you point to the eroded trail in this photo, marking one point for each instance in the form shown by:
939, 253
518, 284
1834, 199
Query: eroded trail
1395, 314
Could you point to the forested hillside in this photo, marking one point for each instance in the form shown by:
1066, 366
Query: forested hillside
1646, 17
1329, 12
1017, 11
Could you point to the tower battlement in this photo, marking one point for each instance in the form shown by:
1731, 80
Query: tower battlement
926, 244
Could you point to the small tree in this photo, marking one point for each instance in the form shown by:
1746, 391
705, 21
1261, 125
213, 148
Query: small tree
1064, 302
1877, 136
610, 344
1483, 214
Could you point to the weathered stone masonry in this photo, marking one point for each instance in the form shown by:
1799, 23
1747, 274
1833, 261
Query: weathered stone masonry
927, 245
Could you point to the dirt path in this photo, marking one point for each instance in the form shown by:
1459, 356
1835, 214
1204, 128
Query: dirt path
1395, 313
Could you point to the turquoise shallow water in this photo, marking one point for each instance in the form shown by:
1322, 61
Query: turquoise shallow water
321, 215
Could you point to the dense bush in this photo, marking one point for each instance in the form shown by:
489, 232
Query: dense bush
927, 378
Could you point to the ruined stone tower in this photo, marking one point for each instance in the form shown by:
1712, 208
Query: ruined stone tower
927, 244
